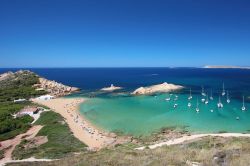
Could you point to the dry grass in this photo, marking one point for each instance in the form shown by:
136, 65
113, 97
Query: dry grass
208, 151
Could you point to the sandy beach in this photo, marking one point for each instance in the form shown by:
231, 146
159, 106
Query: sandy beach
87, 133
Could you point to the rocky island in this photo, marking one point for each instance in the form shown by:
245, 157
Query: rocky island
224, 67
159, 88
111, 88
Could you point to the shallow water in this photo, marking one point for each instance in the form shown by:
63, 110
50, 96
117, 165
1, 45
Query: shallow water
142, 115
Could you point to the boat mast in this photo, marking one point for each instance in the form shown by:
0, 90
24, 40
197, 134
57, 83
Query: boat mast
243, 101
211, 95
197, 104
223, 89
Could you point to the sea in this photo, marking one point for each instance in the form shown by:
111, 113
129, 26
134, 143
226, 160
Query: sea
124, 113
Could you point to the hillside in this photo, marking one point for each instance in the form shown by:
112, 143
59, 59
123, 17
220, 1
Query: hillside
203, 152
23, 84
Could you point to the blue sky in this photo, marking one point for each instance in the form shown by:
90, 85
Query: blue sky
124, 33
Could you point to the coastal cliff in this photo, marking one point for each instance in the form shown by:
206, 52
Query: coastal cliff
54, 88
159, 88
40, 84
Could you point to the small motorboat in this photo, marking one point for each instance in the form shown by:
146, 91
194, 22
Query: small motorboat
168, 99
175, 105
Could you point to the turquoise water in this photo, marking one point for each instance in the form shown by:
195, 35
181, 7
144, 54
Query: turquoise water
143, 115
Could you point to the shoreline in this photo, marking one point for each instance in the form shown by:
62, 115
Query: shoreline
82, 129
88, 122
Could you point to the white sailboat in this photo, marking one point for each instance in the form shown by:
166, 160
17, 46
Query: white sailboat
211, 95
189, 104
228, 100
197, 107
243, 108
223, 90
190, 95
202, 91
168, 98
176, 98
206, 102
220, 105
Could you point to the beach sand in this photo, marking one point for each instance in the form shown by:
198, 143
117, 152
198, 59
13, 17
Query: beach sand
94, 138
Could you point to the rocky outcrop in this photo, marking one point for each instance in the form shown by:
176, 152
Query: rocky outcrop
6, 76
160, 88
55, 88
29, 78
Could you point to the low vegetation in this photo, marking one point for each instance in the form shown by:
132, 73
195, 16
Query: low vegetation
1, 154
18, 85
10, 127
61, 141
207, 151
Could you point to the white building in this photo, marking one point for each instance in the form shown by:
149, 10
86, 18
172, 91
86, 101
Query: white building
28, 111
45, 97
19, 100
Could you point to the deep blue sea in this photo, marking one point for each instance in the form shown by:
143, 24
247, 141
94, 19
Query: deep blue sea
236, 80
142, 115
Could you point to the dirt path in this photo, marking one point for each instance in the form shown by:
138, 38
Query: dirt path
9, 145
192, 137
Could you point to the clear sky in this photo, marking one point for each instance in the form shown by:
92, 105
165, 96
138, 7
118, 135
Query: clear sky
124, 33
